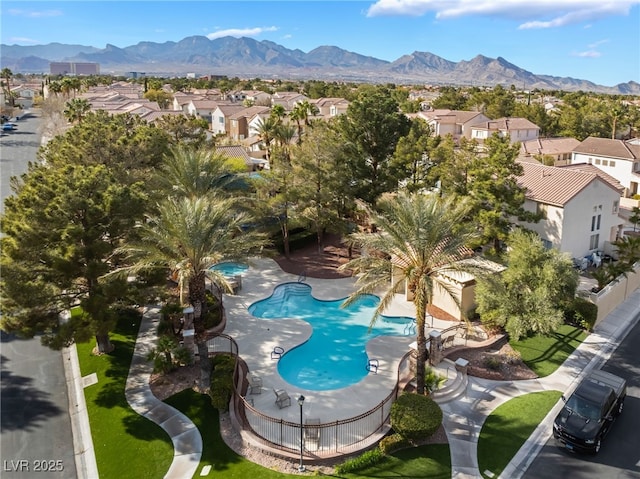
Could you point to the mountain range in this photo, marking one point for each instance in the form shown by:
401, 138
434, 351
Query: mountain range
246, 57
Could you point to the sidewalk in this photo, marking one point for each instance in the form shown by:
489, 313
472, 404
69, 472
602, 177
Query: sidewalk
186, 438
463, 417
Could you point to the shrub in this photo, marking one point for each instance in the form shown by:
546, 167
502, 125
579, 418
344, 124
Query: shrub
393, 443
582, 313
364, 460
492, 363
415, 416
221, 381
432, 380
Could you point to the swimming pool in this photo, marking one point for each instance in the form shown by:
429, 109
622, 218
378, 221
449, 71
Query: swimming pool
334, 357
230, 268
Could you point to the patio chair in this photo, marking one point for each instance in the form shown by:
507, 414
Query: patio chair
255, 384
277, 352
282, 398
312, 433
373, 365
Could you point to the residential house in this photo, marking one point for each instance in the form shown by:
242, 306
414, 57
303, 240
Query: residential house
518, 129
220, 124
253, 123
618, 158
580, 208
239, 121
257, 97
202, 108
287, 99
330, 107
237, 151
181, 100
556, 149
456, 123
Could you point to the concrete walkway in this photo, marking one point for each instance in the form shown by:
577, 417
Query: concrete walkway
464, 416
187, 441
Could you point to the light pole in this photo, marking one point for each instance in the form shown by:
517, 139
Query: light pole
301, 402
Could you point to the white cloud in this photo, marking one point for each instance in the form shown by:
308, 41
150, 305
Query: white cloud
34, 13
23, 40
598, 43
536, 13
240, 32
588, 54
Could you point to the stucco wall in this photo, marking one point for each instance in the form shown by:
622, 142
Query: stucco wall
615, 293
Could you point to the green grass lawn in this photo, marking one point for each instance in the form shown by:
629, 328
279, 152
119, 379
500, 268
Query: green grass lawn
545, 354
431, 461
509, 426
125, 443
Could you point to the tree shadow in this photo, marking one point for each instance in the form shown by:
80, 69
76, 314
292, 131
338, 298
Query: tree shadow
24, 407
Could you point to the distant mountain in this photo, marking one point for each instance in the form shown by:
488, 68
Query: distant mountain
265, 59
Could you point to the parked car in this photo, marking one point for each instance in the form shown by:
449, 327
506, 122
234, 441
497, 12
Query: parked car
589, 413
9, 126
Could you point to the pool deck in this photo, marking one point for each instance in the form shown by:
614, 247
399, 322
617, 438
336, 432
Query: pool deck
256, 339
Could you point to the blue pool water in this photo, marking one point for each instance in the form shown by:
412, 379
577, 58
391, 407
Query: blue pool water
334, 356
230, 268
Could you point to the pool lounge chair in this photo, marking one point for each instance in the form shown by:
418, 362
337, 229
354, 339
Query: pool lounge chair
312, 433
282, 398
255, 384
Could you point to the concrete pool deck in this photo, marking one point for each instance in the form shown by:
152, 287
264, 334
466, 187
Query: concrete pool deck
256, 339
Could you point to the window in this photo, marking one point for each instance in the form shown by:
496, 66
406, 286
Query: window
594, 241
547, 244
605, 162
612, 163
597, 161
593, 223
615, 207
598, 222
590, 160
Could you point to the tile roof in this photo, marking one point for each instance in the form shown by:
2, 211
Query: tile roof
549, 146
235, 151
249, 112
610, 148
553, 185
507, 124
449, 116
588, 168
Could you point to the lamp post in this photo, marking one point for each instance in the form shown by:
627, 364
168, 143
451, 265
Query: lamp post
300, 403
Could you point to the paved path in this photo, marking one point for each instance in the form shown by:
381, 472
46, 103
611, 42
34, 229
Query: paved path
464, 417
186, 438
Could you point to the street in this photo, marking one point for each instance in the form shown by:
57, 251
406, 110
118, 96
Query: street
35, 427
620, 454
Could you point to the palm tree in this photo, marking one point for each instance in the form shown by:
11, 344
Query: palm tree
76, 110
265, 130
421, 240
188, 236
194, 173
6, 74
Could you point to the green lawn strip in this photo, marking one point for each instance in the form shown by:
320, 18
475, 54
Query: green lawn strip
125, 443
545, 354
509, 426
432, 461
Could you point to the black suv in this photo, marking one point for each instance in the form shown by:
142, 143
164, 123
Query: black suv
589, 412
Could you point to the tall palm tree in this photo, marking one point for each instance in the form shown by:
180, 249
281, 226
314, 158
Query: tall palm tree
188, 236
194, 172
265, 129
6, 74
420, 242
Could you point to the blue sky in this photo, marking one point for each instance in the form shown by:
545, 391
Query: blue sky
597, 40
